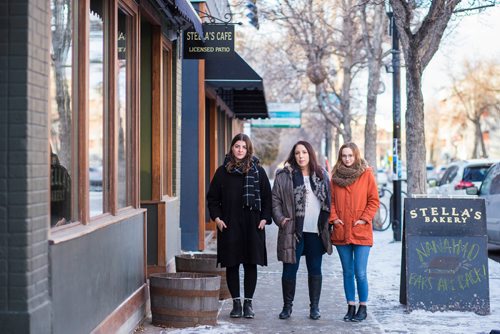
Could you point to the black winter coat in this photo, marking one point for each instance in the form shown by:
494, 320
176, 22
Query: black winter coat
241, 241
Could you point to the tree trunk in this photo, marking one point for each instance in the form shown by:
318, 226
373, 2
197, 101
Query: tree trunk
415, 133
336, 138
61, 43
371, 110
419, 46
63, 101
432, 150
478, 141
328, 142
345, 104
372, 37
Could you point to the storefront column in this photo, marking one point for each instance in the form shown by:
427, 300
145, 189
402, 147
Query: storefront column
190, 159
24, 167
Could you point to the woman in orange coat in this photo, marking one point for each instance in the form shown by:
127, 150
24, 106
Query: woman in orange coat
354, 204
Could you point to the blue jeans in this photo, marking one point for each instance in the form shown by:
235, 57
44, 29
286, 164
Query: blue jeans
312, 247
354, 259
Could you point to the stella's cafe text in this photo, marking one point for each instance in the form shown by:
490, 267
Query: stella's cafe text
217, 41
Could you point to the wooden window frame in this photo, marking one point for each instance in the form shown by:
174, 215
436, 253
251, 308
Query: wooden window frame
131, 9
168, 130
112, 214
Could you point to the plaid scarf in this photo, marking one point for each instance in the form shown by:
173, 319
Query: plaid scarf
251, 187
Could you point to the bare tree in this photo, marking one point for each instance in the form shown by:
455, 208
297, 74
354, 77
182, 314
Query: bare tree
328, 36
476, 94
61, 44
373, 26
420, 41
266, 147
419, 46
433, 115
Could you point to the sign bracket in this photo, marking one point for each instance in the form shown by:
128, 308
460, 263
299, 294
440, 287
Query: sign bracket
228, 18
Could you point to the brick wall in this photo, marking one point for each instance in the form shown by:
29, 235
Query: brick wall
24, 166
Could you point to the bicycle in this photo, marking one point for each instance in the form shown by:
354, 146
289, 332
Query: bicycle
381, 221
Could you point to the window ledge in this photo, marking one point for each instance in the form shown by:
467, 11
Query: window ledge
77, 230
164, 199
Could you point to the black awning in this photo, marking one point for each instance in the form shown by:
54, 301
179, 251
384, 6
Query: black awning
187, 10
241, 88
181, 14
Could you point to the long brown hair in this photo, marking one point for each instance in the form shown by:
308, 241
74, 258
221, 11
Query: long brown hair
313, 163
246, 162
358, 161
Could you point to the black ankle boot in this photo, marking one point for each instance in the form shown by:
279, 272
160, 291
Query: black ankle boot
314, 294
247, 309
236, 312
360, 315
351, 309
288, 287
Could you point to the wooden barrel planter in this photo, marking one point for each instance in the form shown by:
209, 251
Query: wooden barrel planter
203, 263
184, 299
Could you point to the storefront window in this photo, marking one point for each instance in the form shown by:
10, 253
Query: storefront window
61, 117
124, 107
96, 108
98, 125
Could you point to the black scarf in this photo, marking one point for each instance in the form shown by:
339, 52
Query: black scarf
320, 188
251, 187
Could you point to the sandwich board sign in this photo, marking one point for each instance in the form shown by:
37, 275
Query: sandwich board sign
446, 255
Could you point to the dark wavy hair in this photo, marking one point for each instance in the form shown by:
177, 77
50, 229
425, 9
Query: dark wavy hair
313, 162
246, 162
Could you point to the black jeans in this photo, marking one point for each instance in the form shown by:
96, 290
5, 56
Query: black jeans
249, 281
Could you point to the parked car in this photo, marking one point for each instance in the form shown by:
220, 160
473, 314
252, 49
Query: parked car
461, 175
382, 178
440, 171
431, 172
490, 191
95, 179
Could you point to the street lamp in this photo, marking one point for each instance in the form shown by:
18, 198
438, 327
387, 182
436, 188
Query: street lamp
396, 127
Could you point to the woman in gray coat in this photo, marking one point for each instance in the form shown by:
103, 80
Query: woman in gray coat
301, 207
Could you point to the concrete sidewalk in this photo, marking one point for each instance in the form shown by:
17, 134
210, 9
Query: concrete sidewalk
268, 303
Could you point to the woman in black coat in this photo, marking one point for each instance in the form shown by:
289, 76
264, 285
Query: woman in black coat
239, 201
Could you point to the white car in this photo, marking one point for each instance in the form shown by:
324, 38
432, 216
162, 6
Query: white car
461, 175
490, 191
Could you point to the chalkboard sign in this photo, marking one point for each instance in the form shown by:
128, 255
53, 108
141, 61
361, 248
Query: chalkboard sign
445, 216
446, 255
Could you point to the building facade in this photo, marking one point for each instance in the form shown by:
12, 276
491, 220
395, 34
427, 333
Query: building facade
108, 140
89, 138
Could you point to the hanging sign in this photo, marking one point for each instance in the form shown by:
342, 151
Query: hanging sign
281, 115
218, 40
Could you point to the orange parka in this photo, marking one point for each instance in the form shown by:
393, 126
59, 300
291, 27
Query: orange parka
349, 204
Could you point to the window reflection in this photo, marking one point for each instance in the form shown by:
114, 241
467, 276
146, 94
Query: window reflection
96, 108
61, 110
124, 107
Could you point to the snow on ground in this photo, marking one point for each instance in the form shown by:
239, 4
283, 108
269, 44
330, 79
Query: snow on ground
384, 279
386, 314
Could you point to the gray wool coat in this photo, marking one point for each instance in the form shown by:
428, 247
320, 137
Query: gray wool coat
284, 207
